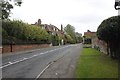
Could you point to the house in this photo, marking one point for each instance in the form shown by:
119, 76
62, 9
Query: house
87, 38
51, 29
89, 34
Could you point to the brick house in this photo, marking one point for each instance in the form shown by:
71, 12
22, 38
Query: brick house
89, 35
51, 29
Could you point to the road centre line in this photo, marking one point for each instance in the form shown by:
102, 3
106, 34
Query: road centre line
11, 63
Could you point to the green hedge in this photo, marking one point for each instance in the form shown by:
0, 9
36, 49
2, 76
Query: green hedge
18, 32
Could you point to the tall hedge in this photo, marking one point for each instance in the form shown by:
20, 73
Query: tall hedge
109, 31
18, 32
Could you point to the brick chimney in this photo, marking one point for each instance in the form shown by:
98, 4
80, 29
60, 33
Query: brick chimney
61, 27
39, 22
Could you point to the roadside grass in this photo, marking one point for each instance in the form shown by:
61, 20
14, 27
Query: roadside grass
94, 64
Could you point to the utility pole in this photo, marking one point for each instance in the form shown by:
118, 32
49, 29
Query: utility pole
117, 6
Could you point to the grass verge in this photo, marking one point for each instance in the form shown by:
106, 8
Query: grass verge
94, 64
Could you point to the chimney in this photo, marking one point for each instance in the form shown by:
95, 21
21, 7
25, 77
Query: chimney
39, 22
61, 27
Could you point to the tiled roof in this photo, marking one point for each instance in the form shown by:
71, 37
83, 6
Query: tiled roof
89, 34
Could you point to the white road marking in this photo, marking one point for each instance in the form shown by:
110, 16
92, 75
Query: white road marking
48, 67
4, 66
25, 58
42, 71
11, 63
46, 52
42, 53
34, 55
51, 50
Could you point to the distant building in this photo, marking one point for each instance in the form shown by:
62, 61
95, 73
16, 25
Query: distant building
88, 37
89, 34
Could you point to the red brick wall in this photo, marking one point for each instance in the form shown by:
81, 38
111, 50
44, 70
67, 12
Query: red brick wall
7, 48
101, 44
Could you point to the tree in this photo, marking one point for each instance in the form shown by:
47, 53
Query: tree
68, 39
70, 30
109, 31
23, 33
78, 37
6, 8
55, 40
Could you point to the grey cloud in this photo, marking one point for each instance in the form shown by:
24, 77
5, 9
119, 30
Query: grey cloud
84, 19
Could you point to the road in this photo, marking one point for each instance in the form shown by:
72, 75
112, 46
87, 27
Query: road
39, 63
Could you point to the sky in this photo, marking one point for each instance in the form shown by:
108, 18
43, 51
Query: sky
82, 14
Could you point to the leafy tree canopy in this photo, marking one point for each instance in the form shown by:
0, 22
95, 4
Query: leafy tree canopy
6, 8
109, 29
70, 30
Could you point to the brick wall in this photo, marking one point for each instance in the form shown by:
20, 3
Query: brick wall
15, 48
99, 43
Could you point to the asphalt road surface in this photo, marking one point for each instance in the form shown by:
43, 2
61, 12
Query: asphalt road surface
52, 62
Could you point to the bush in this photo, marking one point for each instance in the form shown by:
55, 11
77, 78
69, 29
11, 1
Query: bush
55, 40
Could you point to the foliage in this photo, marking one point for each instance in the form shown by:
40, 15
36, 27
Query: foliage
78, 37
19, 32
72, 36
109, 31
55, 40
68, 39
6, 8
70, 30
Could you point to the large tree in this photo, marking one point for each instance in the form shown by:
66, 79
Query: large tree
109, 31
70, 30
6, 7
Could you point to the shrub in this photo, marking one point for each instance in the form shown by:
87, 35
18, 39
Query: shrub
55, 40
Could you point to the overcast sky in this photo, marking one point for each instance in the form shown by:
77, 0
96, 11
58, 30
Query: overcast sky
82, 14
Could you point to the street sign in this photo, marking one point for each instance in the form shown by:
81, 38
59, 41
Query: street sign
117, 4
18, 2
